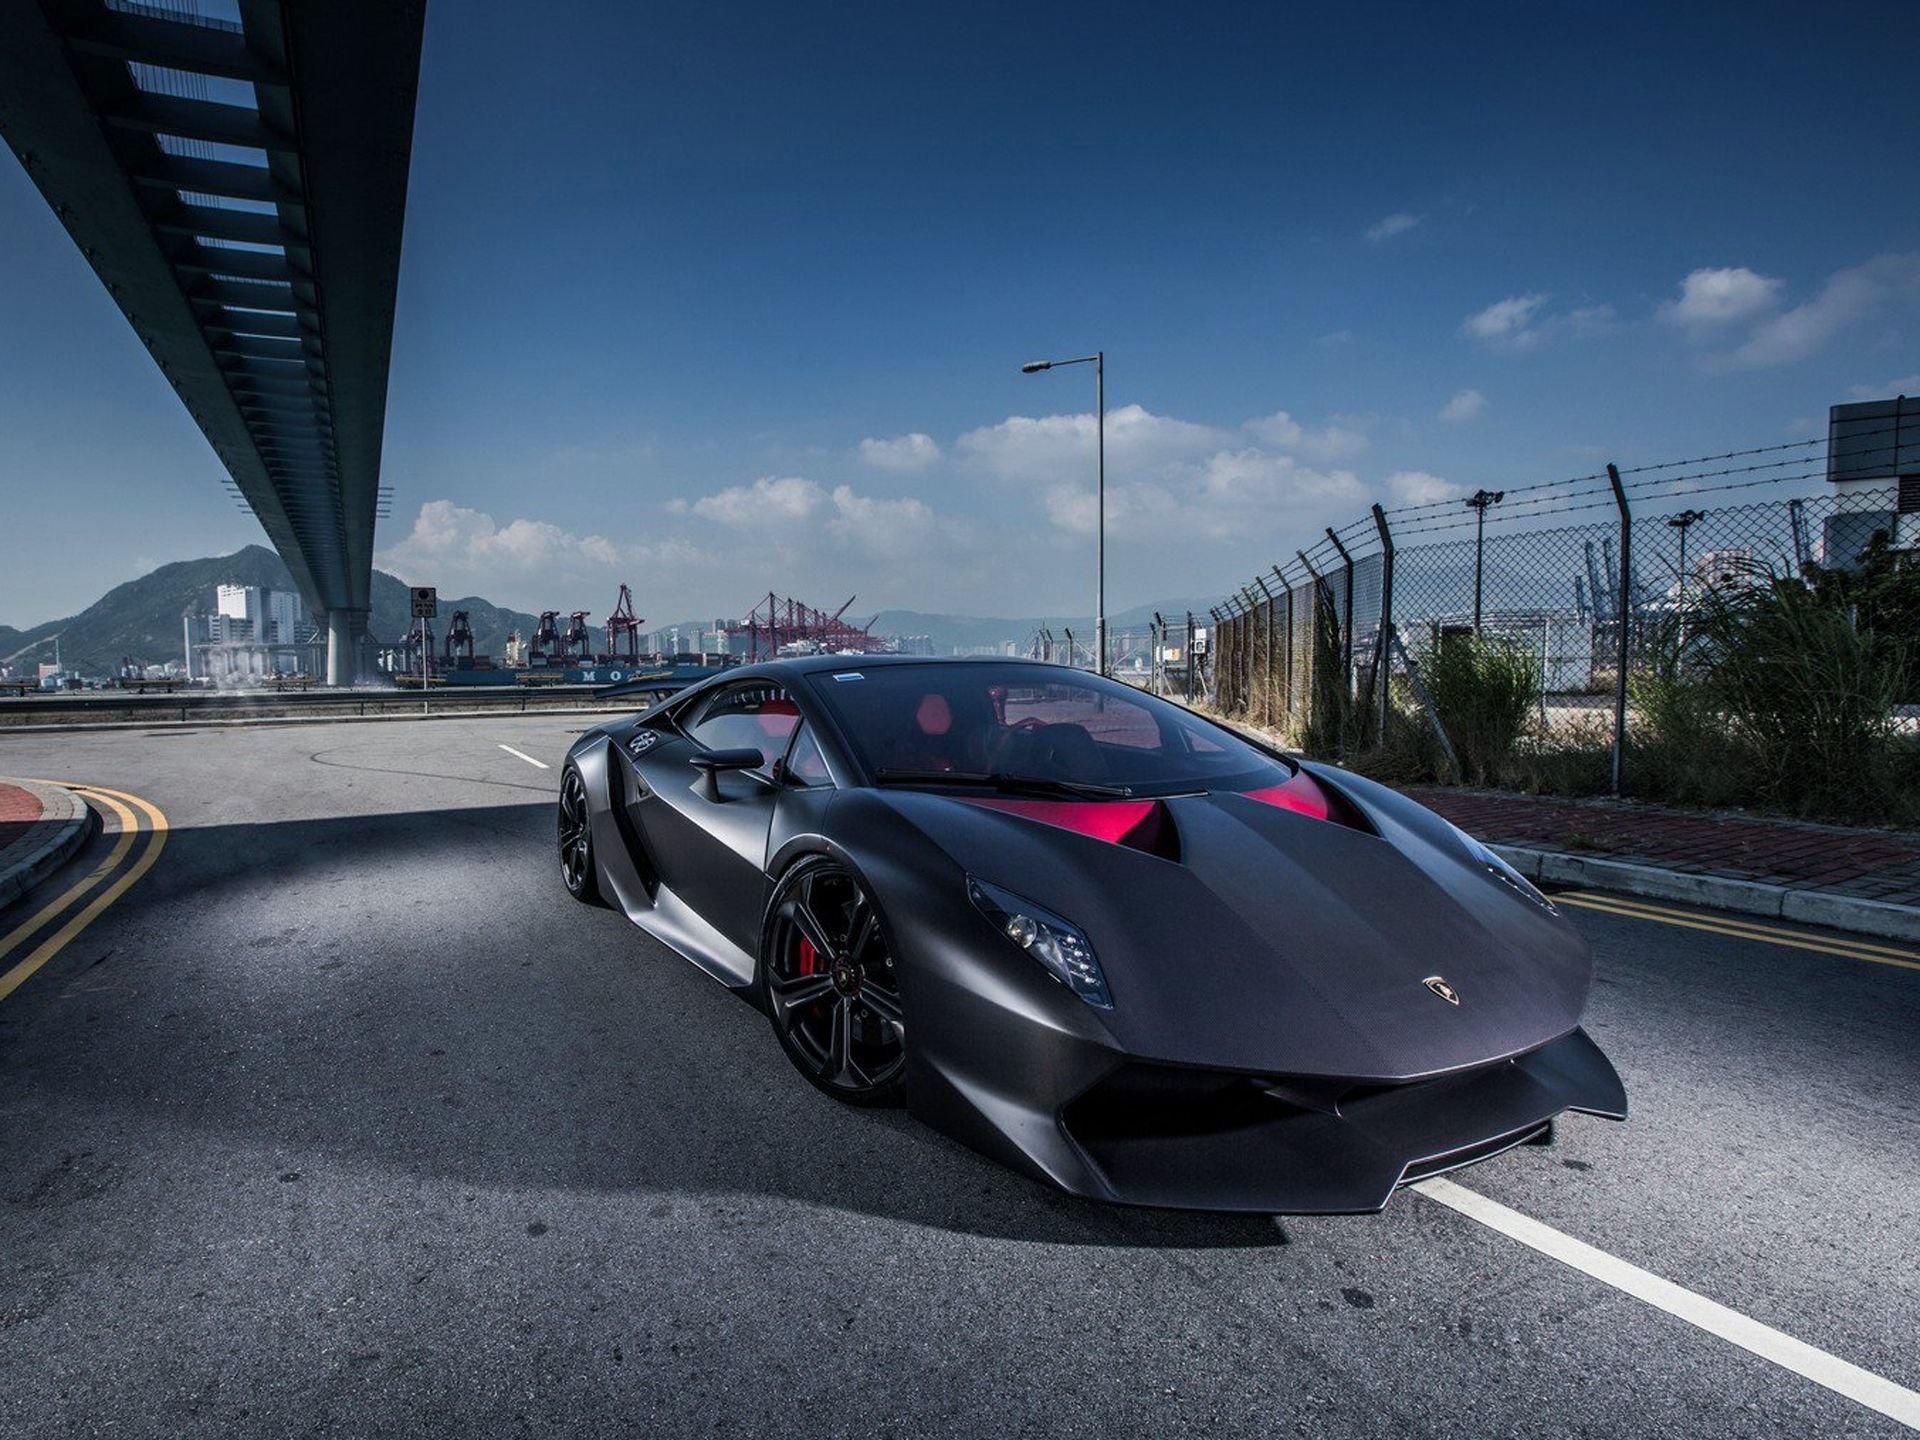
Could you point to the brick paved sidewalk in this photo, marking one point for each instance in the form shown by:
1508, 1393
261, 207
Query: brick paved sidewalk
1881, 865
19, 812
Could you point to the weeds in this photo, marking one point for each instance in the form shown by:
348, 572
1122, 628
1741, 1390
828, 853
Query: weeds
1770, 691
1804, 692
1487, 694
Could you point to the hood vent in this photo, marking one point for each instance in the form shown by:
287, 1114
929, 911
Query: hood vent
1305, 795
1138, 824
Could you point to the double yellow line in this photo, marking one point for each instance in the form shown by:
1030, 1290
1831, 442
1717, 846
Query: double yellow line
129, 810
1743, 929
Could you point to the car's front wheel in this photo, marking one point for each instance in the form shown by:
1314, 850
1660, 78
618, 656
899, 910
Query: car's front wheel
832, 984
576, 839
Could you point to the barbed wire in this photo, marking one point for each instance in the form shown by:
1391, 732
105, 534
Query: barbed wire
1677, 487
1910, 429
1729, 455
1607, 502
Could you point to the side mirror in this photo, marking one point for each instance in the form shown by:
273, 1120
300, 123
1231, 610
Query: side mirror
712, 762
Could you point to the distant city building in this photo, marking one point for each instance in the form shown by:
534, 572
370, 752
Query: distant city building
1005, 647
236, 602
252, 633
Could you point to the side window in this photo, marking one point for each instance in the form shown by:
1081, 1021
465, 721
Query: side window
805, 764
759, 717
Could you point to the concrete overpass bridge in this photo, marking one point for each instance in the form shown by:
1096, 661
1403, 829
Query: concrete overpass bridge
239, 186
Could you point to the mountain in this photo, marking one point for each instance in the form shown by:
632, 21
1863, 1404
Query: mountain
142, 617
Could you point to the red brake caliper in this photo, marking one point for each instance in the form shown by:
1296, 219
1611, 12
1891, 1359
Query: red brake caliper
808, 956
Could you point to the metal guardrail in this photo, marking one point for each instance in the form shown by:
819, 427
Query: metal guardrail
120, 707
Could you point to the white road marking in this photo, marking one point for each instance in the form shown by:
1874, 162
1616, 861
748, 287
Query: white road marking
526, 757
1896, 1402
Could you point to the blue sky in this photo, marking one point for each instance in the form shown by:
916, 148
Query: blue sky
721, 299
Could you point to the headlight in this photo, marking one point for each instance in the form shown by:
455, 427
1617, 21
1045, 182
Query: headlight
1062, 949
1504, 873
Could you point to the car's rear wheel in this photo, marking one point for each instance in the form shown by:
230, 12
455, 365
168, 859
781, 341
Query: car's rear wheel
576, 839
832, 984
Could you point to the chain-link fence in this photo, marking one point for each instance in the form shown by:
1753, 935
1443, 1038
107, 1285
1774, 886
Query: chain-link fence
1327, 646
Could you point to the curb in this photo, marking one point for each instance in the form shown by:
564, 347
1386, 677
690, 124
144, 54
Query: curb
27, 862
1745, 897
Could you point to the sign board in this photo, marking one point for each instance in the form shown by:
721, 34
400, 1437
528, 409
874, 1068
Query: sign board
1199, 639
426, 602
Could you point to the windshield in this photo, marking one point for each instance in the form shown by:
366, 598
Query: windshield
915, 723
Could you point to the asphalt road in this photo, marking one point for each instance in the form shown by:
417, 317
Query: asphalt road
345, 1120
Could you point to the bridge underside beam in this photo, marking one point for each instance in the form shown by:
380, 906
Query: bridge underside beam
240, 190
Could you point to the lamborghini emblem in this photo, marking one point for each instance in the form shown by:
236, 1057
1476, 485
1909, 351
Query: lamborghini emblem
1439, 986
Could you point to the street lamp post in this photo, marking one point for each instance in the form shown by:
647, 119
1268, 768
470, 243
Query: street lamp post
1683, 522
1099, 362
1480, 502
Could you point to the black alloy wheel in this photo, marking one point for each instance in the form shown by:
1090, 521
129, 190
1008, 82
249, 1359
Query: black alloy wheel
576, 839
832, 985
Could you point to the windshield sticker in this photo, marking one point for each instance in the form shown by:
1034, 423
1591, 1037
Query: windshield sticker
849, 675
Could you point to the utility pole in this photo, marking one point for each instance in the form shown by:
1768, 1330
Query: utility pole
1683, 522
1480, 502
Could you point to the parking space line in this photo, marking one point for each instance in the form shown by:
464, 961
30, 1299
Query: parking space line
526, 757
1744, 930
156, 841
1842, 1377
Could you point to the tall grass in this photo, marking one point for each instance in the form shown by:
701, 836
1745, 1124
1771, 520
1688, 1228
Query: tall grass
1805, 692
1486, 692
1776, 692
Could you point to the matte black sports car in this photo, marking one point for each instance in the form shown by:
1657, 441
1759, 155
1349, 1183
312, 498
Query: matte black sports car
1092, 934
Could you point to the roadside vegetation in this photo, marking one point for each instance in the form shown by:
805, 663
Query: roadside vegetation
1780, 693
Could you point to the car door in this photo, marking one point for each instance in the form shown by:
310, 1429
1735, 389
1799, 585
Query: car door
707, 831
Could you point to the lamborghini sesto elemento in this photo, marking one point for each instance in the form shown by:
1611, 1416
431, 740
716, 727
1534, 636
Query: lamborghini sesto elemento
1090, 933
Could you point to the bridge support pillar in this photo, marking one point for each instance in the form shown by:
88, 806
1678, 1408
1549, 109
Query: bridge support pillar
344, 665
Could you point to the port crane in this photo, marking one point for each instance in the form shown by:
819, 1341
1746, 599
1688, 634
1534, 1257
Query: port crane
547, 634
623, 624
578, 641
459, 636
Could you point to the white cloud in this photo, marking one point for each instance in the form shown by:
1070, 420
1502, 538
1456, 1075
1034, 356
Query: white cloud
1849, 298
1417, 487
771, 501
881, 525
1257, 478
1334, 337
902, 454
1338, 439
1464, 406
1228, 495
1397, 223
1721, 296
448, 535
465, 551
1175, 481
1040, 448
1521, 322
1905, 385
1504, 321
